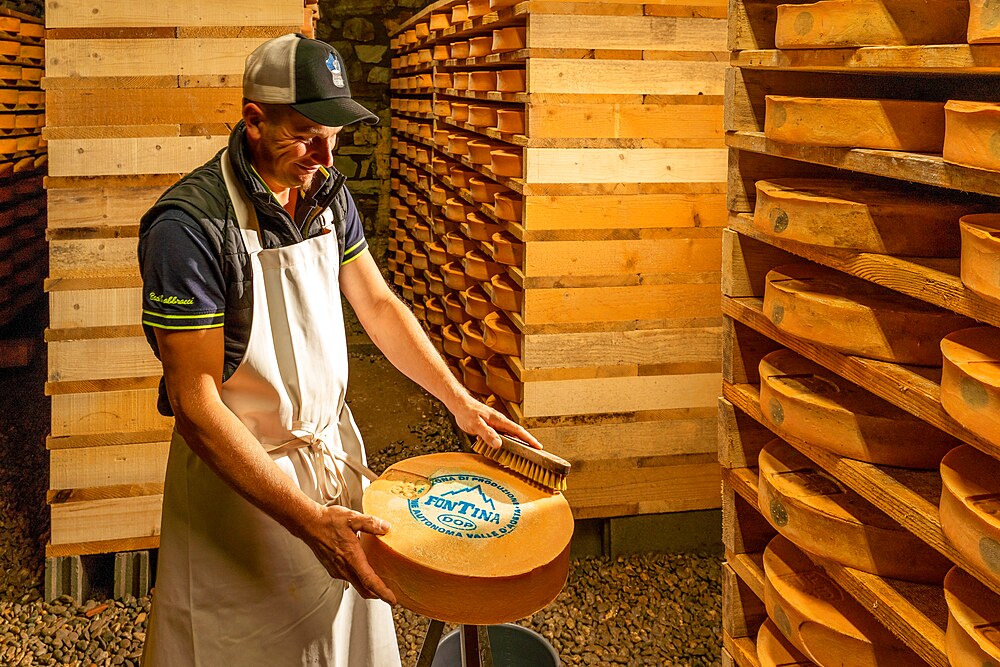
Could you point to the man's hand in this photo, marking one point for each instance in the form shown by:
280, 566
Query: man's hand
334, 540
479, 419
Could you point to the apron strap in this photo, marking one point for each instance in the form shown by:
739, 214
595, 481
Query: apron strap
323, 458
246, 214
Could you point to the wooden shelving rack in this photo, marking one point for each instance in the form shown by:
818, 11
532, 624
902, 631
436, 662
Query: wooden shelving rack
611, 296
915, 613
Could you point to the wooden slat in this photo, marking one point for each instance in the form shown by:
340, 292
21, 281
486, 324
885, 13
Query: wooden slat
122, 13
927, 59
100, 157
102, 546
99, 205
743, 611
107, 412
744, 529
72, 309
93, 257
109, 519
576, 397
153, 106
643, 77
603, 258
742, 651
740, 438
647, 346
626, 121
609, 304
136, 463
632, 211
610, 165
644, 490
81, 58
70, 361
626, 32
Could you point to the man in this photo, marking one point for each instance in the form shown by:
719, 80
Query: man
243, 263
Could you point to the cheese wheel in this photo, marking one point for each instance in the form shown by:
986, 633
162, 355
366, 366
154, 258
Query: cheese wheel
483, 190
823, 517
435, 285
858, 216
484, 81
773, 650
972, 134
458, 144
457, 210
902, 125
973, 634
439, 166
479, 228
504, 293
835, 24
509, 207
475, 302
480, 46
820, 619
500, 335
984, 22
442, 80
482, 115
459, 14
502, 380
455, 311
479, 267
454, 277
509, 39
461, 82
434, 311
419, 289
441, 52
510, 121
473, 376
470, 542
803, 400
970, 507
507, 162
456, 244
460, 50
855, 316
478, 8
507, 249
981, 254
472, 339
970, 380
511, 80
452, 341
459, 176
479, 151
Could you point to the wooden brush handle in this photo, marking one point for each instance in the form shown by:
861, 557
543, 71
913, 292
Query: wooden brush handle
538, 456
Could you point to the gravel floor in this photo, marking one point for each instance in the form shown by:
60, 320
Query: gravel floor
657, 609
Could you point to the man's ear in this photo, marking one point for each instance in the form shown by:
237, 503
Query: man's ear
253, 117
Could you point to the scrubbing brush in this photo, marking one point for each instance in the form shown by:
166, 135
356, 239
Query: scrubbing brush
539, 466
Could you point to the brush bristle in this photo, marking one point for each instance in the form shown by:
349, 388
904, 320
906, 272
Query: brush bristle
531, 471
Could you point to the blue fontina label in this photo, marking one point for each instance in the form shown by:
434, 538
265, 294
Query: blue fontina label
467, 507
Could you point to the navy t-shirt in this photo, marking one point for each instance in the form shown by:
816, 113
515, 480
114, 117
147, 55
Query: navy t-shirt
182, 284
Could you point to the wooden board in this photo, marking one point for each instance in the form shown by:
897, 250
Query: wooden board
648, 33
626, 121
609, 304
110, 465
123, 156
79, 309
93, 257
99, 204
84, 58
831, 24
674, 488
610, 165
79, 360
625, 77
151, 106
903, 125
692, 209
638, 347
608, 257
121, 13
106, 519
107, 412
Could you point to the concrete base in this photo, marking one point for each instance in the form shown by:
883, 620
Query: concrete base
67, 575
133, 574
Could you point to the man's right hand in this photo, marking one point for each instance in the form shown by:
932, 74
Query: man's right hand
333, 537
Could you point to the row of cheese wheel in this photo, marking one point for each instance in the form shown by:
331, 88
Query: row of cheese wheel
856, 23
457, 16
503, 40
509, 80
495, 157
813, 621
961, 131
23, 265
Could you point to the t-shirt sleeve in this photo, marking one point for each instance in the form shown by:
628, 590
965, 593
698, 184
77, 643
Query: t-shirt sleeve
354, 233
182, 285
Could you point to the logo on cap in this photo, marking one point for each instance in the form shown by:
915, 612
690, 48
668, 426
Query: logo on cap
333, 65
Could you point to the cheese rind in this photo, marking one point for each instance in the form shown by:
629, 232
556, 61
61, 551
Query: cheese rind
858, 216
470, 542
970, 380
972, 134
901, 125
984, 22
981, 254
774, 650
855, 316
823, 517
803, 400
970, 507
973, 633
835, 24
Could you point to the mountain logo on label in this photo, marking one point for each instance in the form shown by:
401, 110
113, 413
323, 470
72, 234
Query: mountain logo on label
467, 507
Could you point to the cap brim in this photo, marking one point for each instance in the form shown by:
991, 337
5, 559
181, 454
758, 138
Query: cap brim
336, 112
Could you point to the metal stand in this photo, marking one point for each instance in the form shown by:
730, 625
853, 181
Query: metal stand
475, 645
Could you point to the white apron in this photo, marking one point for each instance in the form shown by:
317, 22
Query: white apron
233, 587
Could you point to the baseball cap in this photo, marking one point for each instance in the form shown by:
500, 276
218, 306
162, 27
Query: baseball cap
307, 74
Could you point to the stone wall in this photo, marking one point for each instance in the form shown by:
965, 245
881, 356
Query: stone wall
30, 7
359, 30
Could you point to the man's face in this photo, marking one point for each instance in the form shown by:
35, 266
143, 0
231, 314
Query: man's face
291, 148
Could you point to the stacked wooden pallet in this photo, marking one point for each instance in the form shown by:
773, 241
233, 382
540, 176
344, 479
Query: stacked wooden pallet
847, 290
557, 198
22, 163
137, 96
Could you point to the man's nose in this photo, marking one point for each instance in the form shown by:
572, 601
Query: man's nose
322, 150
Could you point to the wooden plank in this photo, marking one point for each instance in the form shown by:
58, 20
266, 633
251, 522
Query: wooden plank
611, 304
108, 519
93, 257
629, 211
122, 13
751, 23
611, 165
745, 263
154, 106
136, 463
743, 611
107, 412
916, 167
606, 257
740, 438
107, 439
744, 529
741, 651
99, 157
643, 77
934, 281
644, 490
574, 397
69, 361
653, 33
626, 121
102, 546
928, 59
644, 346
74, 309
81, 58
99, 205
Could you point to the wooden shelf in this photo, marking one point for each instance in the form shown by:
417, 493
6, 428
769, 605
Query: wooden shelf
424, 68
517, 57
486, 24
935, 281
743, 650
899, 165
491, 132
486, 96
929, 59
413, 114
911, 388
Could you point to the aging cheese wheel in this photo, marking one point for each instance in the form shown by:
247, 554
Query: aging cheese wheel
480, 46
803, 400
483, 81
475, 302
511, 80
981, 254
473, 376
500, 336
984, 22
510, 121
502, 380
773, 650
509, 162
822, 620
823, 517
507, 249
902, 125
504, 293
973, 634
970, 380
970, 506
484, 190
470, 541
481, 115
859, 216
509, 39
845, 23
855, 316
972, 134
509, 207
